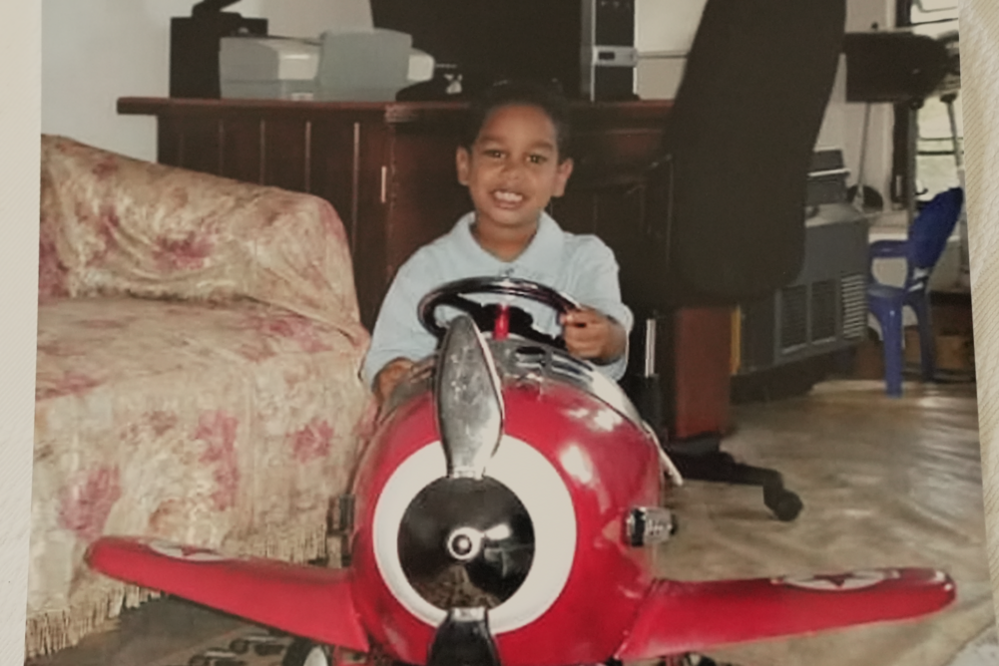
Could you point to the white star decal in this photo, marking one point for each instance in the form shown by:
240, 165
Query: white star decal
189, 553
856, 580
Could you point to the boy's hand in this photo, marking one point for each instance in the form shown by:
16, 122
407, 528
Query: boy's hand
591, 335
389, 376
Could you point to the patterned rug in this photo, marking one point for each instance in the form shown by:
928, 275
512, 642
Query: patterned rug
243, 647
256, 647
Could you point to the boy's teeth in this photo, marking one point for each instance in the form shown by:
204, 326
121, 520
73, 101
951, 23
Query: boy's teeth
508, 196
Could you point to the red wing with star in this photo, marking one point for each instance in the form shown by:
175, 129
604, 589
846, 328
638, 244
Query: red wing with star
679, 617
676, 617
307, 601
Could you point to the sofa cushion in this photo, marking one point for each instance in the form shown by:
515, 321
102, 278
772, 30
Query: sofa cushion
190, 421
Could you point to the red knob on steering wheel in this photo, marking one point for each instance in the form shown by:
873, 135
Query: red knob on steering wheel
485, 316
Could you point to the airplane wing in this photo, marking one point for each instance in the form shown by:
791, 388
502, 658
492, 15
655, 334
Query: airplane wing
307, 601
680, 617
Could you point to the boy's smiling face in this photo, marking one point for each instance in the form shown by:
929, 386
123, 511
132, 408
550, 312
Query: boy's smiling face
513, 169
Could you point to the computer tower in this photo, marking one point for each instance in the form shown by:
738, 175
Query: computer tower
608, 56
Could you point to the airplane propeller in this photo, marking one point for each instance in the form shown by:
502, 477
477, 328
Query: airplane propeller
466, 525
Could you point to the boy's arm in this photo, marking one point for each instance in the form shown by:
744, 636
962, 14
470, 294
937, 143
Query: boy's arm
593, 335
596, 285
398, 336
389, 376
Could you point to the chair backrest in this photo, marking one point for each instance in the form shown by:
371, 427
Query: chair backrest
739, 141
932, 227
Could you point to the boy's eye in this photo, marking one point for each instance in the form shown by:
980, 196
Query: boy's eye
537, 159
492, 152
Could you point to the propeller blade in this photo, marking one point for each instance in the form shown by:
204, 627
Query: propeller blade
469, 400
307, 601
464, 639
679, 617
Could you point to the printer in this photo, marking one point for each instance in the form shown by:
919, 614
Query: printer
252, 67
340, 65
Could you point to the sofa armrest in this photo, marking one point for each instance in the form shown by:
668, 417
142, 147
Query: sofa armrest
122, 226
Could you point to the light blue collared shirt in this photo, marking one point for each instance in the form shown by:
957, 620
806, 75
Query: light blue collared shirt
580, 265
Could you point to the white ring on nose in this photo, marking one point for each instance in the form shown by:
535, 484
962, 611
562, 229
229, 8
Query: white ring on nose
539, 487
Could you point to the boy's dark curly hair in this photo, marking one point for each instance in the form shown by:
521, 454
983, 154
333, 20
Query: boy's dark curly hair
506, 93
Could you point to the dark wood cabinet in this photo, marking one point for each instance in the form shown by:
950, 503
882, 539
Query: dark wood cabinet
389, 168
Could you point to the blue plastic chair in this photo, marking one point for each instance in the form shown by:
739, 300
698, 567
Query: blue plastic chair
923, 247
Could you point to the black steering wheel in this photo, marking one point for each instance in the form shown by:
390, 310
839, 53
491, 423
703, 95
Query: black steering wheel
485, 316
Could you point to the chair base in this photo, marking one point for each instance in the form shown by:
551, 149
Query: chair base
702, 459
699, 456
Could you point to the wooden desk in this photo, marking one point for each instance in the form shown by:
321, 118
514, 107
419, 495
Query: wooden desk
389, 168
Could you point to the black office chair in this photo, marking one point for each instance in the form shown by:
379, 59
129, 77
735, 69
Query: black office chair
729, 189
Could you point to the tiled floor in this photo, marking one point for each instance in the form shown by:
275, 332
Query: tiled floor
885, 482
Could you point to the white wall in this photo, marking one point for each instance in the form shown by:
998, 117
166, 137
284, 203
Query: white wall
666, 25
95, 51
310, 17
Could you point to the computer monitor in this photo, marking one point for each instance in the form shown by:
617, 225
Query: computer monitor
491, 40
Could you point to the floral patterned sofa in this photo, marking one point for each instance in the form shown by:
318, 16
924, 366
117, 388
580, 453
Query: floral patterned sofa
199, 348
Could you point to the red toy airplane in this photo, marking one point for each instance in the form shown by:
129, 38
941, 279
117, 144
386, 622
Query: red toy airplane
505, 514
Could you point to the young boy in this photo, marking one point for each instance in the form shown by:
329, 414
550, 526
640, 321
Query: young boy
513, 160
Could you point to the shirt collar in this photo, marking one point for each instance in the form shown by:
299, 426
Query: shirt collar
539, 259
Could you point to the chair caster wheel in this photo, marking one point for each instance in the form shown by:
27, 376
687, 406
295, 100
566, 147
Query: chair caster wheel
785, 504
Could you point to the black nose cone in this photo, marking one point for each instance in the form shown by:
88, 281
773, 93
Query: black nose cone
466, 543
